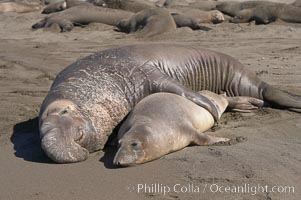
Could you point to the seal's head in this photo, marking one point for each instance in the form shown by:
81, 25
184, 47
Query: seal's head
137, 146
217, 17
66, 135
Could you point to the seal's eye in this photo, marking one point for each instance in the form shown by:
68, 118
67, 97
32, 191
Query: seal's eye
64, 111
134, 144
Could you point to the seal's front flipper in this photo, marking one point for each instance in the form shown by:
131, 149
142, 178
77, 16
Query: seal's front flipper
244, 104
40, 24
171, 86
203, 139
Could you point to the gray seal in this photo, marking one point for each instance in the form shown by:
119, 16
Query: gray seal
297, 3
91, 96
148, 22
128, 5
262, 12
83, 15
63, 5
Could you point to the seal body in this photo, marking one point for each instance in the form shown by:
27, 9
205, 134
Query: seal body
262, 12
200, 16
185, 21
83, 15
129, 5
63, 5
163, 123
18, 7
55, 7
150, 22
297, 3
200, 4
91, 96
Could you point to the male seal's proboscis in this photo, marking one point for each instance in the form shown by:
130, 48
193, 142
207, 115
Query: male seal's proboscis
91, 96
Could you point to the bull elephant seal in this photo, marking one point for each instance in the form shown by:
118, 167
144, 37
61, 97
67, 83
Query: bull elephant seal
162, 123
262, 12
149, 22
91, 96
18, 7
83, 15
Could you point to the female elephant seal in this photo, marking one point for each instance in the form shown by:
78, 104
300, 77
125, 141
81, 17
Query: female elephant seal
91, 96
18, 7
163, 123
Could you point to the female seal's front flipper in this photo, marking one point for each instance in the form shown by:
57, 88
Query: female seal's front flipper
171, 86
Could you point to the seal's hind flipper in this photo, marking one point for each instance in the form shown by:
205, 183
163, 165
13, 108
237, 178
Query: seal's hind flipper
279, 98
204, 139
39, 24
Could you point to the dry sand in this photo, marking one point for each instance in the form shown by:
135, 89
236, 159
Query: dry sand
268, 141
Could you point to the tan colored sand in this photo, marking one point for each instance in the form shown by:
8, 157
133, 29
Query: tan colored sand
270, 140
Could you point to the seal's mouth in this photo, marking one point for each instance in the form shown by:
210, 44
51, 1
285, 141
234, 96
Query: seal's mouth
62, 149
123, 158
80, 138
62, 140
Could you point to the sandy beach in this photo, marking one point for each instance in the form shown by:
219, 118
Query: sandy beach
263, 162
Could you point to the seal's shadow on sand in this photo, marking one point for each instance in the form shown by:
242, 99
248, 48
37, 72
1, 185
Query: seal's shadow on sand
26, 140
108, 157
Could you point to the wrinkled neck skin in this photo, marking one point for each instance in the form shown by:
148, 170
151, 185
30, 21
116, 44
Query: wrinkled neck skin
207, 70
